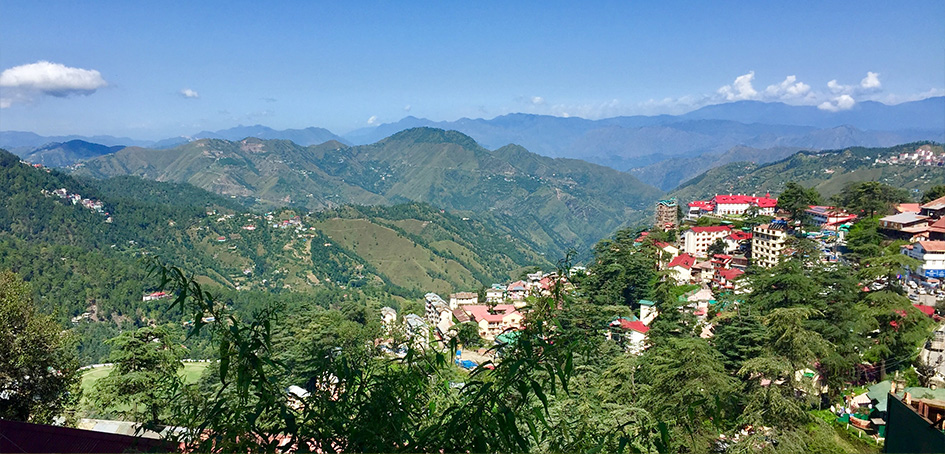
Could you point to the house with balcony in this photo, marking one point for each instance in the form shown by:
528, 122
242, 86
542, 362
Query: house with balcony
932, 256
768, 242
696, 240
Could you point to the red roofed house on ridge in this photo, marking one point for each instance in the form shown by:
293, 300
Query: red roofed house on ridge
732, 205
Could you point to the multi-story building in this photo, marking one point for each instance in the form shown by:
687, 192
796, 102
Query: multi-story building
826, 216
932, 256
439, 314
494, 320
733, 205
906, 226
696, 240
495, 294
463, 298
768, 242
666, 214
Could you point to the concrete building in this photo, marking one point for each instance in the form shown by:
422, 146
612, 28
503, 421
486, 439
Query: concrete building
696, 240
462, 299
666, 214
768, 242
439, 314
932, 256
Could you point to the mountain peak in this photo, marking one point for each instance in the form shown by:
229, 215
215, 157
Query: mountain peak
426, 134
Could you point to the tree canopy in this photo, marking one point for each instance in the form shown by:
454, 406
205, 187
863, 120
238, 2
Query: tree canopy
38, 366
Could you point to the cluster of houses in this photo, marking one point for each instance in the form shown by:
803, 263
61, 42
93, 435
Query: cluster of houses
924, 227
907, 419
922, 156
766, 242
77, 199
497, 316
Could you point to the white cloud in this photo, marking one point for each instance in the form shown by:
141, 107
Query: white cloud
790, 88
188, 93
741, 89
871, 81
47, 78
835, 87
5, 103
869, 84
538, 100
407, 108
372, 120
842, 102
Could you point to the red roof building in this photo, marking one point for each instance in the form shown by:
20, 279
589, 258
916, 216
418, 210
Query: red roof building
682, 260
696, 240
725, 278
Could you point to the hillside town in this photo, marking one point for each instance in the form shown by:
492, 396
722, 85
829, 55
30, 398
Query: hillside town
710, 261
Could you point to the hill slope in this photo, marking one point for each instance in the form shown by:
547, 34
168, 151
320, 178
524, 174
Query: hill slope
84, 257
64, 154
828, 171
669, 173
556, 203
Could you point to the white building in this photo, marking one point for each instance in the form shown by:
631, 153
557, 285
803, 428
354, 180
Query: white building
439, 314
462, 299
697, 240
932, 256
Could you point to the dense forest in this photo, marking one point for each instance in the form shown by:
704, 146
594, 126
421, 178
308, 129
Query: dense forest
85, 263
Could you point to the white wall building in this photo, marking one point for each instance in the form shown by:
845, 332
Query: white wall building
697, 240
932, 256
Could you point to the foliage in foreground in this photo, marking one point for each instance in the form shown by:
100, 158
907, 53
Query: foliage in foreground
38, 366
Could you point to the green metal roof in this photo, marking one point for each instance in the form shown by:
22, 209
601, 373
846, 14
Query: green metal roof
647, 303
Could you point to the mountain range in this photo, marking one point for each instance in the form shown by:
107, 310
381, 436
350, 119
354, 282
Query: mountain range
623, 143
556, 203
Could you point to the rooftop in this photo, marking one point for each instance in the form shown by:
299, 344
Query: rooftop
684, 260
936, 204
482, 312
712, 228
904, 218
932, 246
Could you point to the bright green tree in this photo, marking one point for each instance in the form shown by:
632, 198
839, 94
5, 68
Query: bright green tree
38, 367
467, 334
145, 376
869, 198
796, 199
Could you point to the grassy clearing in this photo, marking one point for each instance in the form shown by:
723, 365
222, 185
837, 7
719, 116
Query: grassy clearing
190, 373
403, 262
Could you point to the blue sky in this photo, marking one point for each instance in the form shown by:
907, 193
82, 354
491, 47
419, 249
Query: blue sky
152, 70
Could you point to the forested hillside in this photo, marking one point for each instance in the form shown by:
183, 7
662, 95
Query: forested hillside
81, 243
827, 171
556, 203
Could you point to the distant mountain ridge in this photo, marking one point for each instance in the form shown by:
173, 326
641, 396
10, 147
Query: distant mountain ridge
67, 153
649, 144
635, 141
26, 143
559, 203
